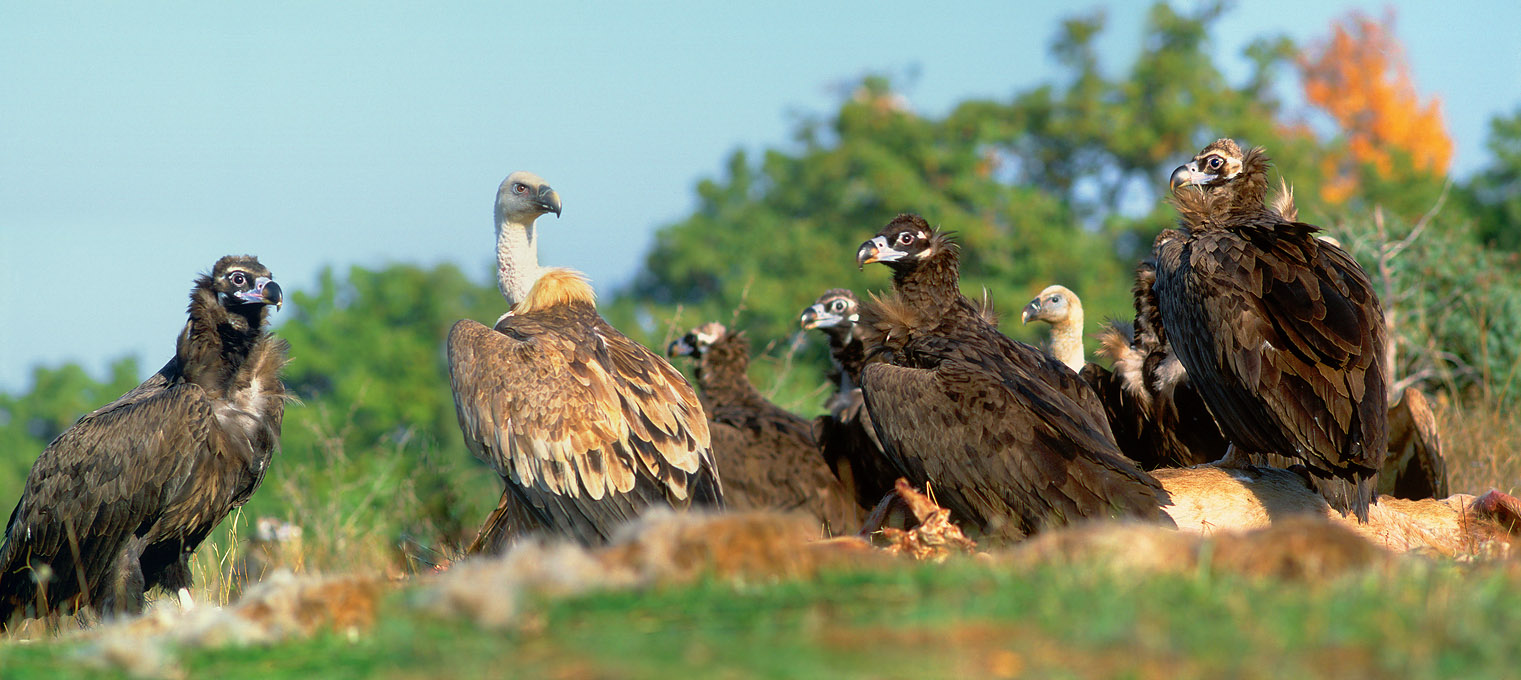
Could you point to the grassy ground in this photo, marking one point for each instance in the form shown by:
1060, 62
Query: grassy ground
965, 618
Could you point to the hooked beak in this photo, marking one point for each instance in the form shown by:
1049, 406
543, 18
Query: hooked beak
816, 316
265, 292
876, 250
1030, 311
1185, 175
547, 200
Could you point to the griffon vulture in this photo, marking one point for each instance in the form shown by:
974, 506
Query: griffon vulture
1157, 418
586, 427
768, 455
1007, 438
117, 504
1279, 331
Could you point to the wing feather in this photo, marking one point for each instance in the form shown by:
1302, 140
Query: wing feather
579, 414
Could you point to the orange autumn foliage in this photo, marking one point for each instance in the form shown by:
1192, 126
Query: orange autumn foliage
1359, 76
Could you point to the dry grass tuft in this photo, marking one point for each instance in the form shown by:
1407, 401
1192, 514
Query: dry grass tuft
1482, 444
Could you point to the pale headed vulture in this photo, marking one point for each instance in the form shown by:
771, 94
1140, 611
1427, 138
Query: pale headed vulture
118, 502
768, 455
586, 427
1279, 331
1157, 418
1005, 436
845, 434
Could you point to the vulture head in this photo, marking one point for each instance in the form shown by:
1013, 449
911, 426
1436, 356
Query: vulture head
244, 288
523, 197
697, 341
1216, 165
1054, 305
837, 308
903, 243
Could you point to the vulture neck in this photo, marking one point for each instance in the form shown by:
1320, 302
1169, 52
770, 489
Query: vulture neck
216, 341
932, 287
848, 354
1067, 338
723, 373
517, 259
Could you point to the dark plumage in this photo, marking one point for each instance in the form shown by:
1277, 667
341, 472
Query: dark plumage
767, 455
586, 427
845, 434
1280, 331
1004, 435
116, 504
1157, 418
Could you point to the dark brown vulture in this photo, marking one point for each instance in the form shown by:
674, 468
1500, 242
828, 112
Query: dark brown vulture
845, 434
1158, 419
767, 455
117, 504
1002, 434
586, 427
1279, 331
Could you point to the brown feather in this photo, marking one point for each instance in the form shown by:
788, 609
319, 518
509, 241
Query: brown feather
1280, 332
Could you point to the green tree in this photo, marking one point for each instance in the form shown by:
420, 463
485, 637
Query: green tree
1494, 195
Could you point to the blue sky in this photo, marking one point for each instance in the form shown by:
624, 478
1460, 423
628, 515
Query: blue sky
140, 141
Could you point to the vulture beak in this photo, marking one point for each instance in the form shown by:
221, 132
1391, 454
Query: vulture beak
547, 200
265, 292
1185, 175
815, 316
876, 250
1030, 311
680, 348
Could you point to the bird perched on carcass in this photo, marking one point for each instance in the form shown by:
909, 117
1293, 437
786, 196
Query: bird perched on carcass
586, 427
1007, 438
1156, 416
1280, 331
117, 504
769, 458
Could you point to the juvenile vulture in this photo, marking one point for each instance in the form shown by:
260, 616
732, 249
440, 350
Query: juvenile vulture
768, 455
586, 427
1004, 435
845, 434
1158, 419
116, 504
1280, 331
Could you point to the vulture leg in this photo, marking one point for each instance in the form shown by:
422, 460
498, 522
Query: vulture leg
1234, 458
125, 593
510, 518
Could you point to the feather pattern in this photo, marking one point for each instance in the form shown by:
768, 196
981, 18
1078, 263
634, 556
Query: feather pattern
1010, 439
118, 502
1280, 332
586, 427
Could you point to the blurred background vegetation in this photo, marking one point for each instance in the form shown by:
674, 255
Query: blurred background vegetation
1055, 184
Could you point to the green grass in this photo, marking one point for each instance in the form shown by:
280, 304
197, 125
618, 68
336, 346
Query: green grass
961, 619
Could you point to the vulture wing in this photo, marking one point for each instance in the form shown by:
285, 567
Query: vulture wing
1298, 340
1003, 459
101, 483
587, 427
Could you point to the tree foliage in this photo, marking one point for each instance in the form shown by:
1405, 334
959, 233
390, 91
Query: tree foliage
1360, 78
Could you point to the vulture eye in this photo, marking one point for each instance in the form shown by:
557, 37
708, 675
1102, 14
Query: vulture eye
837, 305
906, 238
519, 188
1053, 299
1215, 162
238, 279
